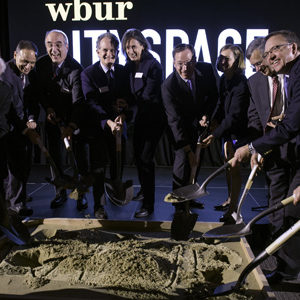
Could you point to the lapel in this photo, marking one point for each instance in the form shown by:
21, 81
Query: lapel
137, 77
264, 99
184, 90
99, 76
199, 85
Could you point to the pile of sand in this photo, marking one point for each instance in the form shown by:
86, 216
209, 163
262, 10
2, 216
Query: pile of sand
133, 267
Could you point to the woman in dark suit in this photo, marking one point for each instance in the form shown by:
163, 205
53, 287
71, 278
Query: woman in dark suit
230, 118
145, 80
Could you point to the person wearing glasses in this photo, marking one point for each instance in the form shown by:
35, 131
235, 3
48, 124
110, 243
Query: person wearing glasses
231, 119
267, 105
20, 75
145, 80
282, 53
189, 94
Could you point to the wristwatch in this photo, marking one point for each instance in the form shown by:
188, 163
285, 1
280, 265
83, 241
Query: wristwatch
251, 148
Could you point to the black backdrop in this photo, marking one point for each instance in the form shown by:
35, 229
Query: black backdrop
202, 23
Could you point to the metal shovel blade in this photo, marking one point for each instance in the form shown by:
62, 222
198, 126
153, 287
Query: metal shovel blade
16, 231
228, 231
182, 225
185, 193
194, 191
119, 193
239, 230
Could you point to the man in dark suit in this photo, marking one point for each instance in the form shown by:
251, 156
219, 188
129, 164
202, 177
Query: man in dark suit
263, 114
9, 118
19, 75
282, 52
59, 85
105, 85
189, 93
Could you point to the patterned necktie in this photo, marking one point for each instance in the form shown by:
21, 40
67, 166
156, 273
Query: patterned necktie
275, 88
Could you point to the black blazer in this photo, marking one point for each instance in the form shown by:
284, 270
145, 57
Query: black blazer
24, 100
99, 98
145, 83
289, 128
231, 111
184, 108
63, 92
259, 108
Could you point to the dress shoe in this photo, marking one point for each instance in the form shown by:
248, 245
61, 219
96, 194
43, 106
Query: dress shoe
82, 202
22, 210
100, 213
143, 212
139, 196
276, 278
222, 207
227, 219
59, 200
195, 204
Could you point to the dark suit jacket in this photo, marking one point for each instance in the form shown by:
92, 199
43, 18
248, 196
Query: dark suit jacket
11, 77
184, 108
63, 92
145, 83
290, 125
24, 100
259, 108
231, 111
5, 104
99, 98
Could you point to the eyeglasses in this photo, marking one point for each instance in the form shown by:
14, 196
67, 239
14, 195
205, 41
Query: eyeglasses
274, 49
180, 64
256, 65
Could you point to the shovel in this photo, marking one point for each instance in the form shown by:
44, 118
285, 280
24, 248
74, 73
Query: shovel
194, 191
118, 192
237, 216
239, 230
183, 221
235, 286
59, 181
13, 227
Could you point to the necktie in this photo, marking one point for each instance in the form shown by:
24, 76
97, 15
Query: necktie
277, 100
275, 88
110, 79
23, 78
189, 83
55, 70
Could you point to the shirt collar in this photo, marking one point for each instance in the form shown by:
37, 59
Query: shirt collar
105, 69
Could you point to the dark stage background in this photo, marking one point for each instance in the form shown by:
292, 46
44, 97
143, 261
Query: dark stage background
206, 24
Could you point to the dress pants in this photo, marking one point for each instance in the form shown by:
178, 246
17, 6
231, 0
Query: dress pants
91, 156
19, 160
145, 139
55, 147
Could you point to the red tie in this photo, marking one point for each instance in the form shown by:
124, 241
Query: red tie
275, 89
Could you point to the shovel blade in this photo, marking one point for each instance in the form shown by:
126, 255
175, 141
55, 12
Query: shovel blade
185, 193
226, 288
228, 231
182, 225
17, 232
119, 193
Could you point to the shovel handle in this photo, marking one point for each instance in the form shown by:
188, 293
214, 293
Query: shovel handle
276, 207
67, 144
283, 238
247, 187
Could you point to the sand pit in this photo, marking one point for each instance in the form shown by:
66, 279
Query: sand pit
125, 265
